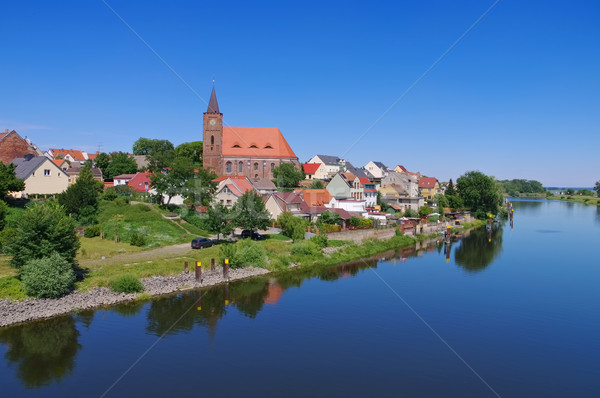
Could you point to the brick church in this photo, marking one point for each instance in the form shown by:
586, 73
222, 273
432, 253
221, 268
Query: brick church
242, 151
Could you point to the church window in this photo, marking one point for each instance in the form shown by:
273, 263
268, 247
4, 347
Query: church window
240, 167
272, 166
212, 140
228, 167
256, 166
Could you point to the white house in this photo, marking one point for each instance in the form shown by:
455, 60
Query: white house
41, 176
377, 169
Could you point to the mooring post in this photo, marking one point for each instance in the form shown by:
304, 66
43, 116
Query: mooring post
226, 269
198, 271
185, 267
212, 264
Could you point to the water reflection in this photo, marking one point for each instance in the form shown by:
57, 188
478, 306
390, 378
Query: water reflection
42, 351
598, 214
479, 248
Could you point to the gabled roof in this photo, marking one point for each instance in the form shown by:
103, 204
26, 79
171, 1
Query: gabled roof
27, 165
364, 180
288, 197
255, 142
402, 168
330, 160
75, 154
427, 182
314, 197
311, 168
355, 170
124, 177
263, 183
238, 185
140, 182
349, 177
381, 165
345, 215
96, 172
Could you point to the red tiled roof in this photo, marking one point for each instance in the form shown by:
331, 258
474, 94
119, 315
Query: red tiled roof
402, 168
343, 213
364, 180
288, 197
370, 190
311, 168
75, 154
314, 197
219, 179
234, 189
427, 182
256, 142
140, 182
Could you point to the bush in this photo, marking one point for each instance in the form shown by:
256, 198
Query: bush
249, 253
331, 228
137, 240
48, 277
320, 240
11, 288
306, 248
292, 227
410, 213
110, 194
227, 251
92, 231
126, 284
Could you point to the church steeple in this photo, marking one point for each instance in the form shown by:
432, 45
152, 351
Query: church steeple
213, 105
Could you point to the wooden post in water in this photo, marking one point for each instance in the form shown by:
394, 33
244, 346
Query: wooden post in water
226, 268
212, 264
198, 271
185, 268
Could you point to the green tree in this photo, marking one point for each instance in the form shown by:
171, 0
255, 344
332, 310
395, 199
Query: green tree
176, 180
201, 189
102, 162
597, 188
570, 191
450, 189
480, 193
291, 226
330, 217
9, 181
43, 228
147, 146
3, 212
424, 211
120, 163
219, 220
317, 184
249, 212
81, 199
287, 176
48, 277
191, 150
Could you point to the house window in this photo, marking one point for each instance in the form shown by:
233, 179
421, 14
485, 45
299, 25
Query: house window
256, 166
228, 167
46, 172
240, 167
228, 201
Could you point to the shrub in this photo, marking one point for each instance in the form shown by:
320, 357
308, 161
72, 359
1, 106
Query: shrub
320, 240
306, 248
331, 228
227, 251
410, 213
126, 284
48, 277
110, 194
365, 223
11, 288
292, 227
92, 231
249, 253
137, 239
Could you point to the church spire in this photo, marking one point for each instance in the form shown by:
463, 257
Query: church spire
213, 106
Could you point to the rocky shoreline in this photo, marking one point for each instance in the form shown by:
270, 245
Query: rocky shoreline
13, 312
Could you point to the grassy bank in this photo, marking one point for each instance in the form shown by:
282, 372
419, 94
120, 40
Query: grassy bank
587, 200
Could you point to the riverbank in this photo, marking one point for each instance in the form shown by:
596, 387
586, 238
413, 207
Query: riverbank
13, 312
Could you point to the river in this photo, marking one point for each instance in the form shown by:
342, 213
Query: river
513, 312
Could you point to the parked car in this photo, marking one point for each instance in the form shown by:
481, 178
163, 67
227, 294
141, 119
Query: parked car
247, 233
199, 243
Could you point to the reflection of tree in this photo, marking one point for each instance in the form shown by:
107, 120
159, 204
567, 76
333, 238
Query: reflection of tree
128, 309
598, 215
43, 351
476, 251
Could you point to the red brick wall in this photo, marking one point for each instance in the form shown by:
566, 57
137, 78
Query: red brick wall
13, 146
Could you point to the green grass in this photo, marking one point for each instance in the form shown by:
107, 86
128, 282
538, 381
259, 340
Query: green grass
126, 219
5, 268
588, 200
12, 288
95, 248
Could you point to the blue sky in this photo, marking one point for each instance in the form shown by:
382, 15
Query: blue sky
516, 97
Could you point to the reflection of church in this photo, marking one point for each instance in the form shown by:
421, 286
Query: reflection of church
243, 151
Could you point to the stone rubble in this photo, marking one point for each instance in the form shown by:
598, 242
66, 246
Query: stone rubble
12, 312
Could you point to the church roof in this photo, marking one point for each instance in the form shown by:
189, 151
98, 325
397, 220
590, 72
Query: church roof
263, 142
213, 105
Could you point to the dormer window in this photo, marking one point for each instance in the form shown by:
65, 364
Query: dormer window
253, 146
236, 146
268, 147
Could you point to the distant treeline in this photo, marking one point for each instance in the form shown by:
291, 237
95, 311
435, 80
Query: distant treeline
517, 187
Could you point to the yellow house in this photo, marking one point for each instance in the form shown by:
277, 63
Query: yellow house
41, 176
429, 187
